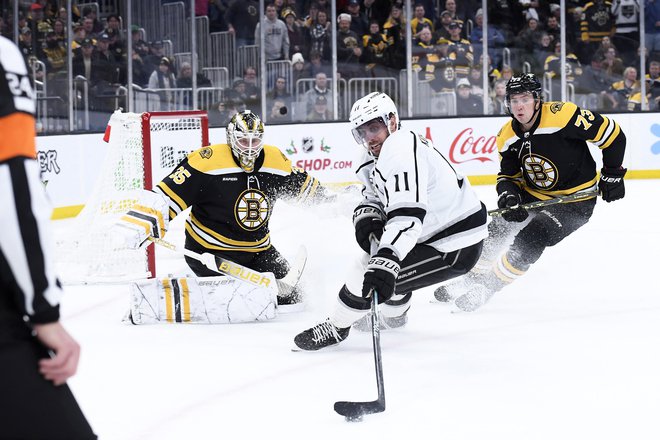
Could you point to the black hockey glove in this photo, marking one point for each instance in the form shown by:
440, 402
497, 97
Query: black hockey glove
610, 185
381, 274
511, 198
368, 220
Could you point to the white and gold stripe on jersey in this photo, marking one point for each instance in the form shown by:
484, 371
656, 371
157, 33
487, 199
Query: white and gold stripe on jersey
212, 240
176, 203
607, 133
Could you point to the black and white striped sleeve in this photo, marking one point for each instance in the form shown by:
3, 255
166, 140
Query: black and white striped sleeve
26, 242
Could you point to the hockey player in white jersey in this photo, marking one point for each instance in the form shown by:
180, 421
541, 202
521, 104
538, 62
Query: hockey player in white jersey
428, 222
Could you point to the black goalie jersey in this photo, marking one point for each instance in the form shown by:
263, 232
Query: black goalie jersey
552, 158
231, 208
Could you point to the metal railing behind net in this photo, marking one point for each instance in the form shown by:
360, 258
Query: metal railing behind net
279, 68
219, 76
176, 29
175, 99
203, 41
222, 51
443, 104
148, 14
359, 87
246, 56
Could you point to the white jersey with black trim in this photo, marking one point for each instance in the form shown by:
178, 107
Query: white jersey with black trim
425, 199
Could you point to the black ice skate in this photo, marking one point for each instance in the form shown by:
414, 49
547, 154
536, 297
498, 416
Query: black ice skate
320, 336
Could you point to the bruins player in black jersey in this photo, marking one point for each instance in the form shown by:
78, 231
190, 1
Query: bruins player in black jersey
231, 189
543, 154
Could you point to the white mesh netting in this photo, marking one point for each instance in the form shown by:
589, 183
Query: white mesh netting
86, 253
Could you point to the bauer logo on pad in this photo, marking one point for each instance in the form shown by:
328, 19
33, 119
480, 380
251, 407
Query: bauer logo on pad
243, 273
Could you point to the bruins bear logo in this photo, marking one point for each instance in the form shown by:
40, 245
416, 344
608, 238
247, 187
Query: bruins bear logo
206, 152
540, 171
555, 107
252, 209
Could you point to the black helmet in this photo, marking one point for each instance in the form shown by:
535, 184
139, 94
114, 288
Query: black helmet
521, 84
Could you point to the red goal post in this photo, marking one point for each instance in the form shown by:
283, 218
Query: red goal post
142, 149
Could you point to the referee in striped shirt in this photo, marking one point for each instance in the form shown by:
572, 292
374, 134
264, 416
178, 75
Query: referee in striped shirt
37, 355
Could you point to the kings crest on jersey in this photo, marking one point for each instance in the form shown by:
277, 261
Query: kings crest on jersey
231, 208
539, 158
425, 199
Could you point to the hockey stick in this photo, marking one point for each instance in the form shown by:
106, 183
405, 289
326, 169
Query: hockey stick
541, 203
292, 278
219, 264
353, 411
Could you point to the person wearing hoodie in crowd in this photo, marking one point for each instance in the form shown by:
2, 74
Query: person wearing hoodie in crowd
276, 35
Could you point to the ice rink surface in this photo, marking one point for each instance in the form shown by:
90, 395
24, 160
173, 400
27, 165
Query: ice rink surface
570, 351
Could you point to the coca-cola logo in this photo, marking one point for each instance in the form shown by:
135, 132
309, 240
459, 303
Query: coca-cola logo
467, 147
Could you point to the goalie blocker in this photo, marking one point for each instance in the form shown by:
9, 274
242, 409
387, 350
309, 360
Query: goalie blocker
208, 300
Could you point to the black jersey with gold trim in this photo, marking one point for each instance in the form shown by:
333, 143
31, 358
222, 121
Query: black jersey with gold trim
552, 158
231, 208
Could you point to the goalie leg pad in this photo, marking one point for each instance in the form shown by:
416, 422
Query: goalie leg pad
208, 300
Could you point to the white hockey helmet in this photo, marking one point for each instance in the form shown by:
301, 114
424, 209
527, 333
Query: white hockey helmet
375, 105
245, 134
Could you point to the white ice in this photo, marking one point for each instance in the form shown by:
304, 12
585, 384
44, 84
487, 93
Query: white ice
570, 351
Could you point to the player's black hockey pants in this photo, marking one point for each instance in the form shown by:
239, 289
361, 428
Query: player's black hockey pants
546, 227
425, 266
422, 267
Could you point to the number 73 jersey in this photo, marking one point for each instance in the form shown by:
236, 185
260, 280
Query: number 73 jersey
552, 158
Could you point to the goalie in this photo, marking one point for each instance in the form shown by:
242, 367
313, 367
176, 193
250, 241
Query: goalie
231, 189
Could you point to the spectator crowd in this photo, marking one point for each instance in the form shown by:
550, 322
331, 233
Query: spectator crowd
602, 51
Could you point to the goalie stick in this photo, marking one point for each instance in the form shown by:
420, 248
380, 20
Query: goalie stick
292, 278
235, 270
353, 411
542, 203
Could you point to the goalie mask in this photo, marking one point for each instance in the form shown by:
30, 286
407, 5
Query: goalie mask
375, 105
245, 134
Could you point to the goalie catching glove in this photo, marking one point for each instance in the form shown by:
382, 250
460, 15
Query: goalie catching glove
511, 197
382, 272
147, 218
610, 185
367, 220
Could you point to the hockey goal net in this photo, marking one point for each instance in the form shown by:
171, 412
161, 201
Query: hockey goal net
142, 149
